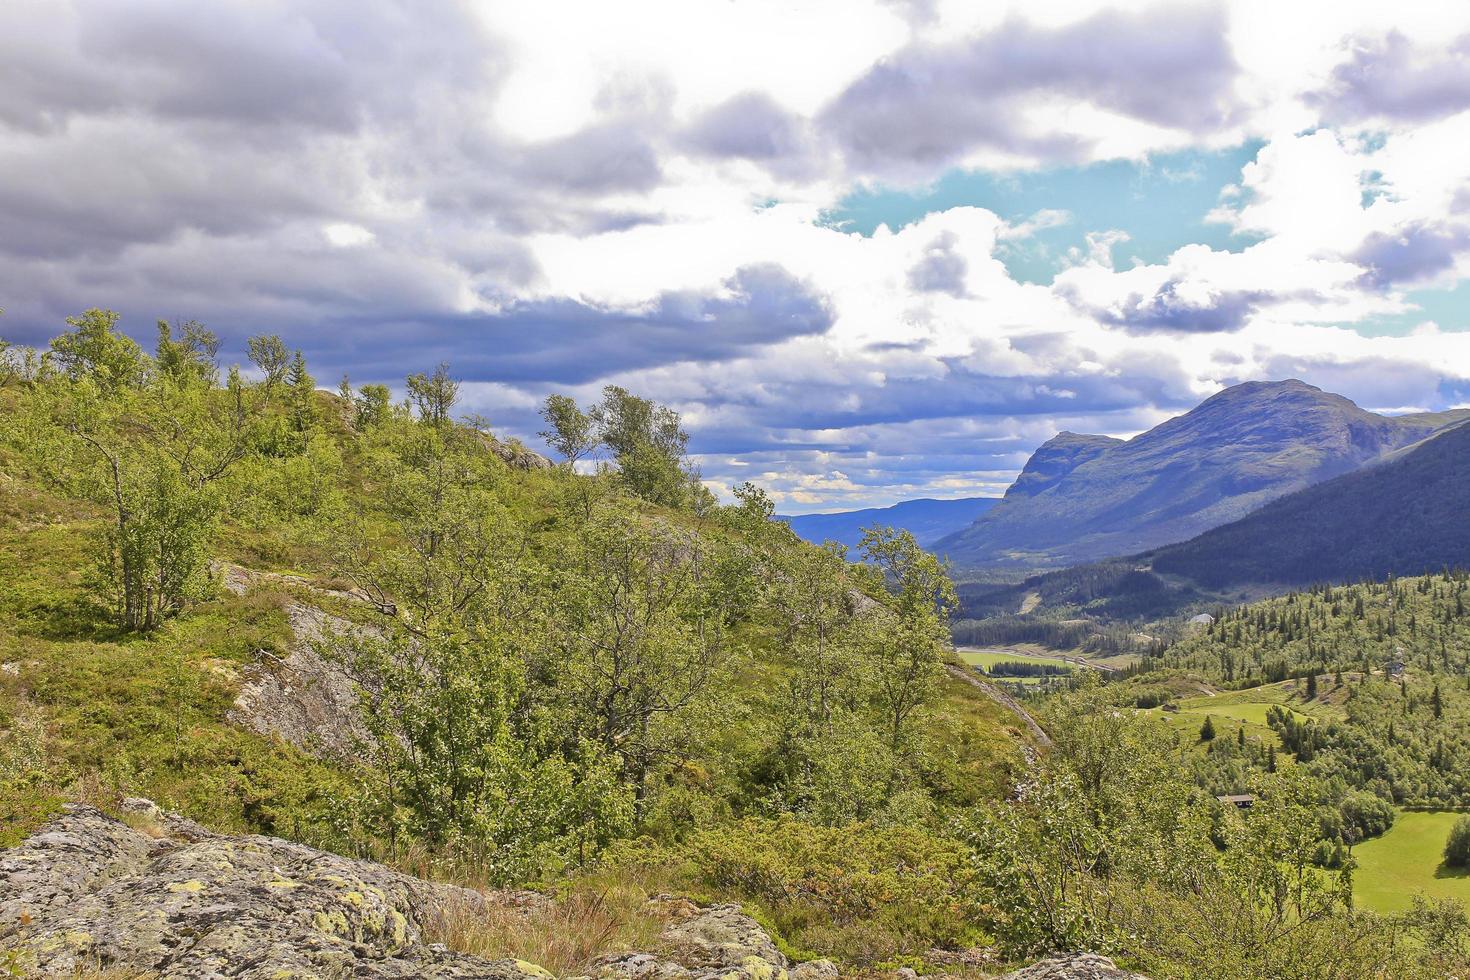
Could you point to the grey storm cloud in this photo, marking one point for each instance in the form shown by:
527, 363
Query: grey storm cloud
1389, 79
1413, 254
828, 403
929, 104
135, 123
1165, 311
569, 342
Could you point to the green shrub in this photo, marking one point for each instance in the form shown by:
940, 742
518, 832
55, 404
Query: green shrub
1457, 848
863, 893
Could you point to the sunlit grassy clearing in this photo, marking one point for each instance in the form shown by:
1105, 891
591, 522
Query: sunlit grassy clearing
1406, 860
989, 657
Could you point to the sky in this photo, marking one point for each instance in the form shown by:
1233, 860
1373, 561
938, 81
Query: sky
870, 249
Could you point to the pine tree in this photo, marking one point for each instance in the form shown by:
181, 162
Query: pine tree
1207, 730
303, 389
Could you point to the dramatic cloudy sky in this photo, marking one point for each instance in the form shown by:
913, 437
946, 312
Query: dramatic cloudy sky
871, 249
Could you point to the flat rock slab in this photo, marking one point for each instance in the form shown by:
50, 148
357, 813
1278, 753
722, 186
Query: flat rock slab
1074, 966
88, 891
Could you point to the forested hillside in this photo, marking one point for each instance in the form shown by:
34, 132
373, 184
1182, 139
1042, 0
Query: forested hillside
1406, 515
1392, 657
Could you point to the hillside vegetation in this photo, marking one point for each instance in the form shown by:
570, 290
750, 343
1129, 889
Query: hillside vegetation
1406, 515
553, 672
1393, 656
1353, 703
610, 686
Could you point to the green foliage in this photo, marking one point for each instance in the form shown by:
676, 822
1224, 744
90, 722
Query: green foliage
96, 719
1109, 849
647, 442
570, 431
301, 387
433, 396
547, 662
269, 354
863, 892
1457, 848
370, 407
1386, 662
94, 350
192, 356
150, 442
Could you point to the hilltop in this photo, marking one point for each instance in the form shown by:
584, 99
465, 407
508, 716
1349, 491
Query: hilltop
1087, 498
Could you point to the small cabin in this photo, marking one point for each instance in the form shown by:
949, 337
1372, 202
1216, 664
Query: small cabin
1241, 801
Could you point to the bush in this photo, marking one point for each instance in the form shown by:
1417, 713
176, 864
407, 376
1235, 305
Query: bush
861, 892
1457, 848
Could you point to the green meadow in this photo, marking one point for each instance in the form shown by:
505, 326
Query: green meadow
991, 656
1406, 860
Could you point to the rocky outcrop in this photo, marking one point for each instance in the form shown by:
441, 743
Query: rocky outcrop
181, 902
518, 457
1074, 966
166, 896
301, 698
717, 942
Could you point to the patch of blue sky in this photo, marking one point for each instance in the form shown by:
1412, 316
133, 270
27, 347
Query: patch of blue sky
1448, 308
1161, 203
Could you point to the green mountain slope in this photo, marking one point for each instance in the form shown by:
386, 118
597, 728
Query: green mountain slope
1237, 451
1405, 516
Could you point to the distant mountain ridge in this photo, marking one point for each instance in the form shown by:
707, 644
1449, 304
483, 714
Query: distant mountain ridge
1088, 498
1407, 515
927, 518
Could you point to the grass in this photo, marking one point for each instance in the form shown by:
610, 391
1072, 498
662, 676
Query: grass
1406, 860
973, 745
991, 656
564, 937
88, 712
1248, 709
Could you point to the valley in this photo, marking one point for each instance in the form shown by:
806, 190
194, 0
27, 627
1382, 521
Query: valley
256, 607
734, 490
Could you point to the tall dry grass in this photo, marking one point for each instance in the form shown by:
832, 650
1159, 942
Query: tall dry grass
564, 937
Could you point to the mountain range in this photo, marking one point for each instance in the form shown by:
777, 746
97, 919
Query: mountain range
926, 518
1407, 514
1086, 498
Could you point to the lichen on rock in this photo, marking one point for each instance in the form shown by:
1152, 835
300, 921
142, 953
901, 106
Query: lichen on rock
1073, 966
89, 890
